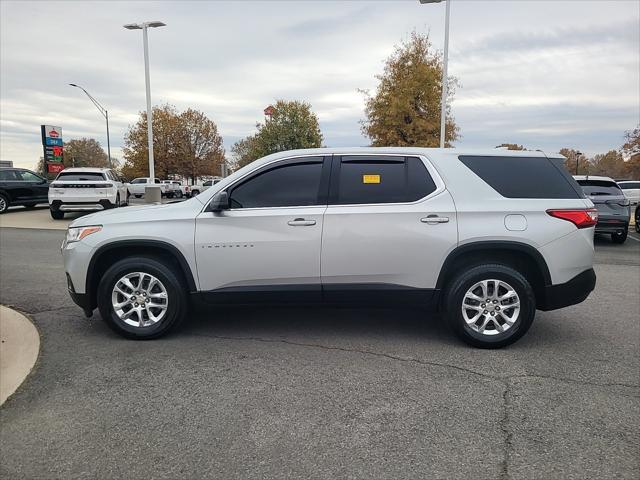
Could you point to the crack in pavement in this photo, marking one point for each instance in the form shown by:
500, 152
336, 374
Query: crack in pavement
504, 380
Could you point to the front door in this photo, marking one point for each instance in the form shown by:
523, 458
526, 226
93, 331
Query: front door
268, 242
388, 228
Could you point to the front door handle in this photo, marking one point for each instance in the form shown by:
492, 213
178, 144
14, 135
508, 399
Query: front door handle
301, 222
434, 219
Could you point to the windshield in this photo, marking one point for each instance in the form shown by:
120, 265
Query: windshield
595, 188
81, 176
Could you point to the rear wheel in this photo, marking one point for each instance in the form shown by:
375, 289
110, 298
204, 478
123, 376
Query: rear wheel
620, 237
142, 298
490, 306
56, 214
194, 192
4, 203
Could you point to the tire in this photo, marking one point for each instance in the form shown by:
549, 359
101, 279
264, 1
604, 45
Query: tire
137, 195
56, 214
172, 283
4, 203
620, 238
637, 227
194, 192
117, 204
470, 333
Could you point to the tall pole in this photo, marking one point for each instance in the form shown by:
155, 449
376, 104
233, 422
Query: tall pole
445, 66
149, 112
106, 115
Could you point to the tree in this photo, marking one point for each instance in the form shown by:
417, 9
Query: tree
574, 156
610, 164
292, 125
184, 143
200, 144
631, 149
511, 146
406, 107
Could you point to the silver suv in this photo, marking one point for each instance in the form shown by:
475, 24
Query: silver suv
487, 237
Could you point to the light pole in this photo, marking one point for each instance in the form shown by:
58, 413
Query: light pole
577, 160
145, 41
104, 113
445, 66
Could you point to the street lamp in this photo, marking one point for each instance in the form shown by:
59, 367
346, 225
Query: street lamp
578, 154
445, 67
104, 113
144, 26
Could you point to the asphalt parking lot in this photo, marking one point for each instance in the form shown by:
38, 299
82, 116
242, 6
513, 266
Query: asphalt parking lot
322, 392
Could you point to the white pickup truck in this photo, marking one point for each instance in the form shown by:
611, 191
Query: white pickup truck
137, 186
193, 190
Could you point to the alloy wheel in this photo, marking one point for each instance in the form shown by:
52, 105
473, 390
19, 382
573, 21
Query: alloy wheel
491, 307
139, 299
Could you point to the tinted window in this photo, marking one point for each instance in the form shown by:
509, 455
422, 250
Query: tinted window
382, 180
80, 176
8, 175
290, 185
524, 177
629, 186
593, 188
29, 176
139, 180
156, 180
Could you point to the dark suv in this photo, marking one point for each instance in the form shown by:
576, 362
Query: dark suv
614, 210
19, 186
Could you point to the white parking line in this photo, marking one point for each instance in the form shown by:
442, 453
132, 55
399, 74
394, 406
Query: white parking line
633, 238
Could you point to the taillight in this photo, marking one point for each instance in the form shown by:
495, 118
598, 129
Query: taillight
103, 185
583, 218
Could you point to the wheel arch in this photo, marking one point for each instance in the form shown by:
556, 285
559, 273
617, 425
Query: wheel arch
519, 255
107, 254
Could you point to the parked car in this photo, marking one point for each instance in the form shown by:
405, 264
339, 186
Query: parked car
173, 188
464, 232
631, 190
86, 190
198, 188
19, 186
137, 186
613, 207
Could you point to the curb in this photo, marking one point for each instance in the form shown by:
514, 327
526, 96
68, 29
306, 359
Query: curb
19, 349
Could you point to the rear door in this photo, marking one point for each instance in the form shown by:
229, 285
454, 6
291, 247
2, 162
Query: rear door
268, 242
389, 225
35, 187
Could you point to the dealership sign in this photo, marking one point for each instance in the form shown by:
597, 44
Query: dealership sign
53, 147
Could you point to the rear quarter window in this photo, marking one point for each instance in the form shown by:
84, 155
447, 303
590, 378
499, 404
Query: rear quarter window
524, 177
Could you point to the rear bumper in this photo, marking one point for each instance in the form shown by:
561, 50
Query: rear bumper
611, 225
88, 206
572, 292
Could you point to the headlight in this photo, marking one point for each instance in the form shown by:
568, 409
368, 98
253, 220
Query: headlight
75, 234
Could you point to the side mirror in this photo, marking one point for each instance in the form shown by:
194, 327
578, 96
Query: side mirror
219, 202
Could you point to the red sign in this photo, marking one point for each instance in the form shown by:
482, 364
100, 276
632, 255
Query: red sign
55, 167
57, 151
53, 134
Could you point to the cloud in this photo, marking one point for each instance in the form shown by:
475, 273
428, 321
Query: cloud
545, 74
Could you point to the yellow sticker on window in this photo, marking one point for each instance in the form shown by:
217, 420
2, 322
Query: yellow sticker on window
370, 178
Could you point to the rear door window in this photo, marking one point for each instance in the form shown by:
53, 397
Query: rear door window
81, 176
629, 185
524, 177
380, 179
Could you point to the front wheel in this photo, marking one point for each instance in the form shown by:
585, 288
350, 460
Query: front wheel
137, 195
142, 298
490, 306
620, 237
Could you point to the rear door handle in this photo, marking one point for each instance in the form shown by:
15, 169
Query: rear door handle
301, 222
434, 219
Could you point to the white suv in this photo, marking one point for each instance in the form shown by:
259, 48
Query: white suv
86, 190
485, 237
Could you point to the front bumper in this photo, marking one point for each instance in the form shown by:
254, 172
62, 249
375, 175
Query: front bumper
83, 300
572, 292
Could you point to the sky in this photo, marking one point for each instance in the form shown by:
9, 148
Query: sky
546, 73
